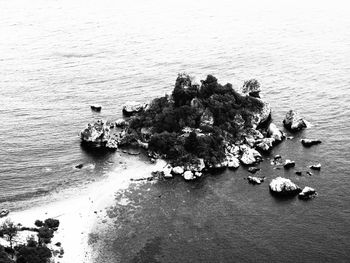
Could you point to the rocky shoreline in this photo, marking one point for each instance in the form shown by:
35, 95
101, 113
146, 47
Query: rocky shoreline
251, 130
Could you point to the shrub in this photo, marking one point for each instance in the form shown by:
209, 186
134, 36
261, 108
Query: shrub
38, 223
52, 223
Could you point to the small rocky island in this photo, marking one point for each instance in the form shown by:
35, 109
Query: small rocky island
200, 126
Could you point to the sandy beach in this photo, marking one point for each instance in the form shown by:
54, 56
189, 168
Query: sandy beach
79, 214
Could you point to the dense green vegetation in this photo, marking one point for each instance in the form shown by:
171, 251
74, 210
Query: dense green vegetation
33, 251
213, 113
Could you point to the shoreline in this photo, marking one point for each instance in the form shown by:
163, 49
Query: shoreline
79, 214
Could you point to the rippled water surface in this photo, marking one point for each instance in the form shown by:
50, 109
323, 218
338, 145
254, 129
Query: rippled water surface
58, 57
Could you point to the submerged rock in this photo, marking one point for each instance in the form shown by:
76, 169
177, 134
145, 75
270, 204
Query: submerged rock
288, 164
284, 186
255, 180
309, 173
307, 193
293, 121
315, 166
253, 170
132, 107
310, 142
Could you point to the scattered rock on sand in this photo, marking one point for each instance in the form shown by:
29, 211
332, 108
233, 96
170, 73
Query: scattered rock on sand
277, 157
315, 166
307, 193
288, 164
293, 121
310, 142
283, 186
255, 180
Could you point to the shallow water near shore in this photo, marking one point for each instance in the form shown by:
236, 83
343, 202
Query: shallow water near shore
58, 57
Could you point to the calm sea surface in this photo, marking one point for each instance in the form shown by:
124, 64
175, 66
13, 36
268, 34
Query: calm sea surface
58, 57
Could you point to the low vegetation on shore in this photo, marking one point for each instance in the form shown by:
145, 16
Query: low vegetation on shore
35, 249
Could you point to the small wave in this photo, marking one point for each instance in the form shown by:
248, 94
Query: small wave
74, 55
24, 196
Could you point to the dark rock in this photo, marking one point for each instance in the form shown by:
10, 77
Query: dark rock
288, 164
96, 108
253, 170
4, 212
298, 173
307, 193
315, 166
310, 142
79, 166
277, 157
293, 121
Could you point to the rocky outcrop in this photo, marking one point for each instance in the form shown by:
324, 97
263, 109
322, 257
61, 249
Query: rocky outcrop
98, 135
265, 144
275, 133
307, 193
249, 155
293, 121
232, 161
261, 116
255, 180
132, 107
310, 142
284, 187
315, 167
288, 164
252, 88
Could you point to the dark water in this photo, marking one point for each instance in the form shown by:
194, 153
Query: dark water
57, 57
